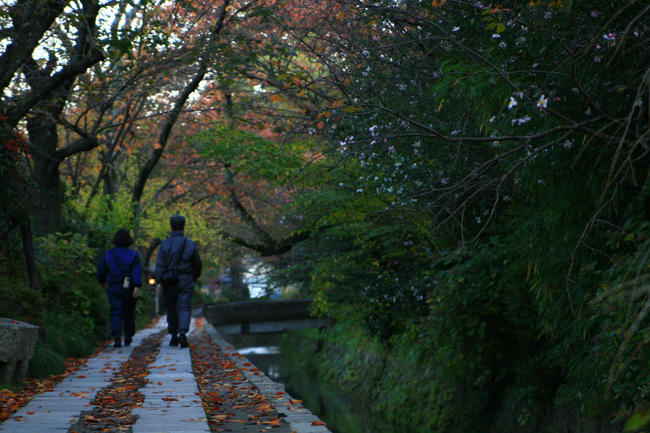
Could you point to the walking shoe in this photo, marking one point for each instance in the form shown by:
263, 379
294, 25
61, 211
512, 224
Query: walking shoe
182, 340
174, 340
127, 342
117, 344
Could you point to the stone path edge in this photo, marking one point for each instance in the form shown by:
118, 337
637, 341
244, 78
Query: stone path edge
298, 417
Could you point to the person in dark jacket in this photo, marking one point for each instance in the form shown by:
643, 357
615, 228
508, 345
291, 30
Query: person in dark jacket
179, 252
120, 269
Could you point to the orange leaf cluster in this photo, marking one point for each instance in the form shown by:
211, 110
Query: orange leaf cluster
228, 397
113, 404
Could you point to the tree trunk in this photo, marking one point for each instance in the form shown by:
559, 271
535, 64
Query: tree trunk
28, 250
45, 207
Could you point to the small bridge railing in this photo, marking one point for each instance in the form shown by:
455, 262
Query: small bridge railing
261, 316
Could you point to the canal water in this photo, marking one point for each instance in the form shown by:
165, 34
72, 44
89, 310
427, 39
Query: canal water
340, 412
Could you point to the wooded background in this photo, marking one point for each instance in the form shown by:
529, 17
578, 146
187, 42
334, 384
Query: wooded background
469, 179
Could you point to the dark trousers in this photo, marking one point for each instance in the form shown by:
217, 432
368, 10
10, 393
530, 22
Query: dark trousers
122, 309
178, 303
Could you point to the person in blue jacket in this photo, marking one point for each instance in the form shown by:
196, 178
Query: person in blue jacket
179, 253
120, 269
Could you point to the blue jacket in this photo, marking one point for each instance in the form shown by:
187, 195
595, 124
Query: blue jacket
189, 264
109, 270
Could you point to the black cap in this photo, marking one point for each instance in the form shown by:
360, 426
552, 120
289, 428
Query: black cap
177, 222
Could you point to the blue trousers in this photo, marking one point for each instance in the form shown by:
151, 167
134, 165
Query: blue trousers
122, 310
178, 302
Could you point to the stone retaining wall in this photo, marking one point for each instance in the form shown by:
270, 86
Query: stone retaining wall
17, 344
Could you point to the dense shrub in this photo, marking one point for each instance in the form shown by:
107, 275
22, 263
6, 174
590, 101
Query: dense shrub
67, 275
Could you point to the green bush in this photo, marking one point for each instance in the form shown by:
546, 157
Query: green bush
67, 274
19, 301
45, 362
396, 383
63, 335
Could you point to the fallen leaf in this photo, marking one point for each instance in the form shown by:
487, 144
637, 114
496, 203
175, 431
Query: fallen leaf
318, 422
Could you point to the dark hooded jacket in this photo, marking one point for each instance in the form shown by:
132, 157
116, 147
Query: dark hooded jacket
117, 263
189, 264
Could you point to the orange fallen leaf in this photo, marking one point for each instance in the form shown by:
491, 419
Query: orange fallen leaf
30, 412
318, 422
177, 380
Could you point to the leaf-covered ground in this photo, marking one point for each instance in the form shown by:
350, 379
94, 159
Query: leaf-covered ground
11, 401
231, 402
114, 403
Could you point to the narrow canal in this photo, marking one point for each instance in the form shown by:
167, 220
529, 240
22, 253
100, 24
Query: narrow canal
341, 413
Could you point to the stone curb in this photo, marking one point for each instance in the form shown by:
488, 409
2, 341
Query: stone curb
295, 414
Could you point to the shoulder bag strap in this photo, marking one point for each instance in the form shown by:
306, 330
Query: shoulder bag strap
117, 260
178, 258
119, 263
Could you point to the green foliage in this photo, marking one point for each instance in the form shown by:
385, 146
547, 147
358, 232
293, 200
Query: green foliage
144, 307
638, 421
63, 338
67, 265
20, 302
469, 208
247, 152
45, 362
396, 383
101, 216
